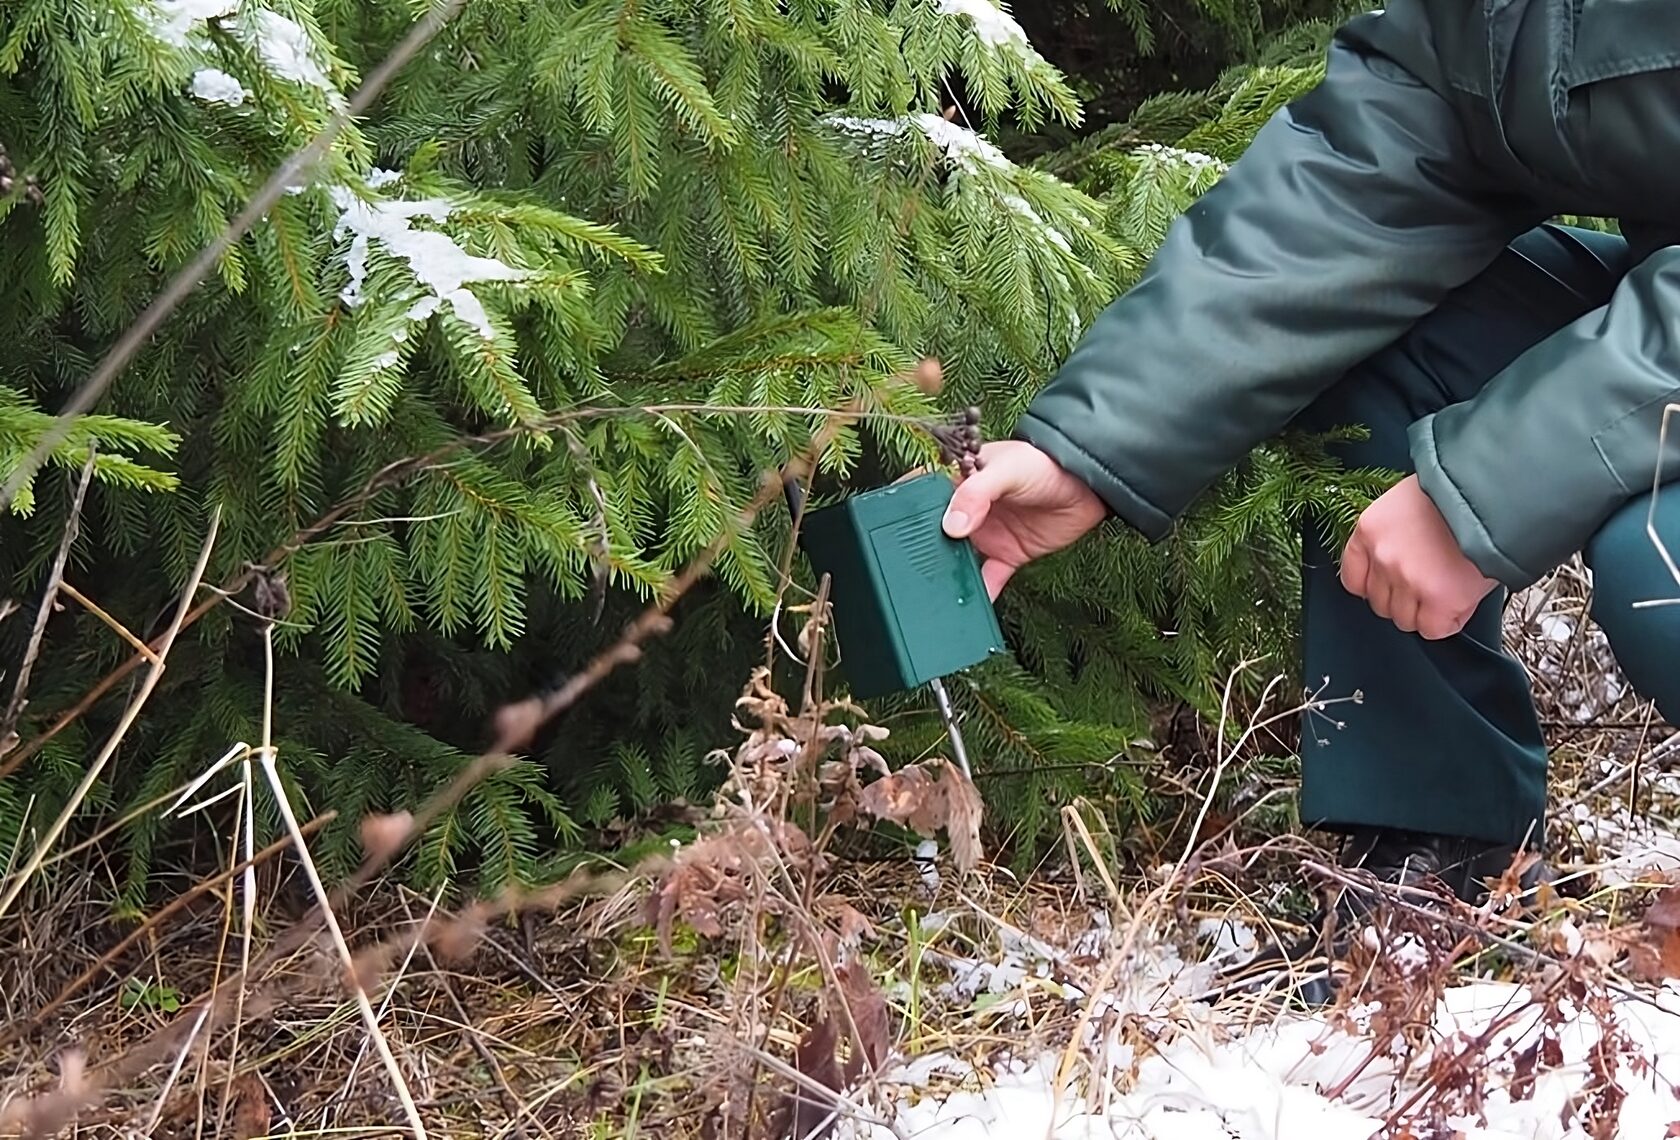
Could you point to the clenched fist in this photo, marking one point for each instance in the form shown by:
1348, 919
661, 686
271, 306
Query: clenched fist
1018, 506
1404, 561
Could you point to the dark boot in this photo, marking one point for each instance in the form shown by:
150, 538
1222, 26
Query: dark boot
1440, 867
1413, 858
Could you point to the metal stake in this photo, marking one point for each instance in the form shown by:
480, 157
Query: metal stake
948, 714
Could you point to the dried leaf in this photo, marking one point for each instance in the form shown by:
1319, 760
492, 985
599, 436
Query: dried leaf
251, 1112
962, 821
1657, 959
924, 802
1510, 882
1664, 913
910, 797
817, 1059
868, 1008
713, 873
1522, 1072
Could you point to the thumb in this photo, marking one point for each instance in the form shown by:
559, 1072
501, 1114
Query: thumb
996, 574
972, 501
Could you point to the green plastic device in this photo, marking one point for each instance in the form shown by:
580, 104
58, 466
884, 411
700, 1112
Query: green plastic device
908, 602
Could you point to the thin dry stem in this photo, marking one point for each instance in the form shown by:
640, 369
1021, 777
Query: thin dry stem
369, 1018
118, 627
49, 596
129, 714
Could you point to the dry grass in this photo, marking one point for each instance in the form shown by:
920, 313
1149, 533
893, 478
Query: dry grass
755, 984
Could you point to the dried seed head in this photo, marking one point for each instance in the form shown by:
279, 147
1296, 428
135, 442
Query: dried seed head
456, 940
929, 377
384, 835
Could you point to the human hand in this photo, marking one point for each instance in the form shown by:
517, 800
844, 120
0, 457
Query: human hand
1018, 506
1404, 561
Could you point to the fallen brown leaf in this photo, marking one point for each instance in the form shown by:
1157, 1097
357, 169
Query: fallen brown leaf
868, 1006
251, 1111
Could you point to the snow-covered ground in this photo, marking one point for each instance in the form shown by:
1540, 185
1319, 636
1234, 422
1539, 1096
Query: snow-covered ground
1270, 1082
1210, 1075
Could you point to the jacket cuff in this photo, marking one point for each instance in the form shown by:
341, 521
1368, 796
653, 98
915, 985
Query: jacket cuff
1473, 536
1125, 503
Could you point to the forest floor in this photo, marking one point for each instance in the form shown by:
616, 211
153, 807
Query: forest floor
911, 998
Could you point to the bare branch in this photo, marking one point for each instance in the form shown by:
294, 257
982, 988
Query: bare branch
49, 596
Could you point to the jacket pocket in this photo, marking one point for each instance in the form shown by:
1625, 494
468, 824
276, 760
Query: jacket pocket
1614, 39
1617, 103
1634, 447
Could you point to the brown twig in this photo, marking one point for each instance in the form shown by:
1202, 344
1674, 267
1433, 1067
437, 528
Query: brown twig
17, 1030
121, 630
55, 579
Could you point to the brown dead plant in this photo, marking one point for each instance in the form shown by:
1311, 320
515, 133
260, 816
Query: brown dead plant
757, 872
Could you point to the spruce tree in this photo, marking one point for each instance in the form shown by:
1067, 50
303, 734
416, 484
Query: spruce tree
643, 243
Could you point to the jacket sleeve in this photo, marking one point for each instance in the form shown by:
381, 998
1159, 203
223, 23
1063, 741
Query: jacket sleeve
1530, 467
1354, 211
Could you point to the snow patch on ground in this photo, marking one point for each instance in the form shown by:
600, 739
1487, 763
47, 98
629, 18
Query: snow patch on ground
1210, 1074
1270, 1082
1639, 847
437, 262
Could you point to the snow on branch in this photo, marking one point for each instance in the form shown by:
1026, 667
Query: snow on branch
439, 264
962, 147
992, 26
284, 45
214, 85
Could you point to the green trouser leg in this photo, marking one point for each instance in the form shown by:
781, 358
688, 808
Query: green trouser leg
1446, 738
1628, 569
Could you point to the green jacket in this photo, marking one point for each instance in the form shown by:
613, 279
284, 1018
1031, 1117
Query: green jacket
1441, 131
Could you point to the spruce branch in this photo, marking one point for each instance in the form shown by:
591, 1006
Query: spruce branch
288, 174
391, 475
